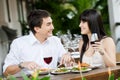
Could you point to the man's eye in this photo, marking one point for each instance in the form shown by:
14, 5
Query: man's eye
48, 24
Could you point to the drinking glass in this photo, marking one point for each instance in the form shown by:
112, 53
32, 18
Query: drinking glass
94, 38
48, 60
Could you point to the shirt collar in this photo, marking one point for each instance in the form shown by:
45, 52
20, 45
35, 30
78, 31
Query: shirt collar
34, 40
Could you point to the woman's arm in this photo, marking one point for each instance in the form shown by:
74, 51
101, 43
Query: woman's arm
109, 51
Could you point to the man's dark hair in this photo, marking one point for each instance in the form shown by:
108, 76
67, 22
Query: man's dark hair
35, 18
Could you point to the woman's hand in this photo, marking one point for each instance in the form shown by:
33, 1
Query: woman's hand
98, 46
67, 60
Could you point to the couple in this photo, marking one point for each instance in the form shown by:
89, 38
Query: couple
28, 52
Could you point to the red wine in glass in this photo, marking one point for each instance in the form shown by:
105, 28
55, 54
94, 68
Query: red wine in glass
93, 42
48, 60
94, 38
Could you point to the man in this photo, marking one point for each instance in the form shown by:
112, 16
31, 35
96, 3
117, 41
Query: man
27, 53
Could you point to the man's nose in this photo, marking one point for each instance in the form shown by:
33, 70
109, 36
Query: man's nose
80, 25
52, 27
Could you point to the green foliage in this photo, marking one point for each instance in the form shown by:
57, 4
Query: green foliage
111, 77
11, 77
45, 78
25, 77
83, 78
102, 6
0, 78
65, 13
119, 78
25, 30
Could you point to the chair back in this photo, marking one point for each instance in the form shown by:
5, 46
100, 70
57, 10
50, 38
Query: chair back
118, 57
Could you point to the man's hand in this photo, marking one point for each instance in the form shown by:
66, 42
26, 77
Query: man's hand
67, 60
30, 65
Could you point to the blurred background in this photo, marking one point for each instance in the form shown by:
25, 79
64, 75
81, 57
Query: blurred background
65, 15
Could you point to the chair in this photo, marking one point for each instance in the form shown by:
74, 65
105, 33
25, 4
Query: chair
117, 57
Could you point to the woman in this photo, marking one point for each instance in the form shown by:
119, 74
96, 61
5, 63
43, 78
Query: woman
102, 53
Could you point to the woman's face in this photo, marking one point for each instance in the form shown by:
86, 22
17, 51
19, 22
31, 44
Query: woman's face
84, 27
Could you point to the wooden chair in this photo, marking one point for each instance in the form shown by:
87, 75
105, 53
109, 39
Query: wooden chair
117, 57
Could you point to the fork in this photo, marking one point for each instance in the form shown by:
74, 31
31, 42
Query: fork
59, 65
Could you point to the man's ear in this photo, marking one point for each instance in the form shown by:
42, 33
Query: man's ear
37, 29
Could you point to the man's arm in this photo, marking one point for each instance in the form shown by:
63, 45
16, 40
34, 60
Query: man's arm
13, 69
10, 70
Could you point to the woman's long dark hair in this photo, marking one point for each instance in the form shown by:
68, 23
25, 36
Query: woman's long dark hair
95, 25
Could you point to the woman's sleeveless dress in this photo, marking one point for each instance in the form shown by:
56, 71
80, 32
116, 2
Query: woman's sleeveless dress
95, 60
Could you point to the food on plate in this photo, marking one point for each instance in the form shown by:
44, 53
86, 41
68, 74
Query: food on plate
43, 70
84, 65
63, 69
77, 68
82, 69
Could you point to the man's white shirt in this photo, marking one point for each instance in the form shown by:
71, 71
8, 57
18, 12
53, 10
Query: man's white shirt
28, 48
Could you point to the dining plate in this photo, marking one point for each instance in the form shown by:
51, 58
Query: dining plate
75, 55
96, 66
60, 71
75, 70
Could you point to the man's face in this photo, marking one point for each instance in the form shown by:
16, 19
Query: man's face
46, 28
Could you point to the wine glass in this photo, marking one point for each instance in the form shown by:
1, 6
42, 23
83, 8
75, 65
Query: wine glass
94, 38
48, 60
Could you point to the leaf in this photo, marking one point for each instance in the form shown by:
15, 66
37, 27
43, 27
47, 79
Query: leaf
119, 78
11, 78
35, 75
111, 77
1, 79
83, 78
25, 77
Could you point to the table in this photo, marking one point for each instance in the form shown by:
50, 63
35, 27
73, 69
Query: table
97, 74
